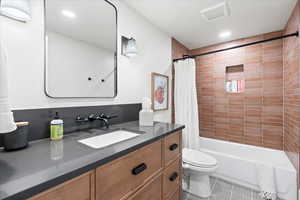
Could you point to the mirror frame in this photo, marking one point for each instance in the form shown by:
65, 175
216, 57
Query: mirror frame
115, 58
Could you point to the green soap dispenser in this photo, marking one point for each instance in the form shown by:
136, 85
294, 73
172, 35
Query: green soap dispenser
56, 128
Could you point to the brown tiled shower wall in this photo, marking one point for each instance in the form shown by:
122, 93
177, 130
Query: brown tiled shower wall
254, 116
292, 90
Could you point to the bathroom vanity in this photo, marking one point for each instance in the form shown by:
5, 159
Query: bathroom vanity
145, 167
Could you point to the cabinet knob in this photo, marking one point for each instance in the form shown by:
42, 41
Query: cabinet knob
173, 147
139, 169
173, 177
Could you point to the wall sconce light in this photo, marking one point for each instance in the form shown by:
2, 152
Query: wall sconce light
129, 47
16, 9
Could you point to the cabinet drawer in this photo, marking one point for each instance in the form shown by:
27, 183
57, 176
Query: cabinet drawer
79, 188
151, 191
175, 196
172, 178
120, 178
172, 147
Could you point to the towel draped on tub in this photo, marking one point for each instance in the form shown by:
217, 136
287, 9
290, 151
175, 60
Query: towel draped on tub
266, 176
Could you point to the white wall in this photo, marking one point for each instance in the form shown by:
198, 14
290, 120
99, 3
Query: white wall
67, 55
24, 44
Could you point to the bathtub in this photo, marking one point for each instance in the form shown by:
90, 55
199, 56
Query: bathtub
237, 164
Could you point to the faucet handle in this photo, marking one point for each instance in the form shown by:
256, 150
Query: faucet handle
104, 116
81, 119
92, 117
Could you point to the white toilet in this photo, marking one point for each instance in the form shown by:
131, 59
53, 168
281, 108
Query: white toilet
197, 167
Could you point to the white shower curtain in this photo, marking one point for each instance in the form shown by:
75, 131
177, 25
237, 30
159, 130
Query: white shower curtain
186, 106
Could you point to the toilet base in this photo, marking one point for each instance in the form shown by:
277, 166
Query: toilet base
199, 185
197, 172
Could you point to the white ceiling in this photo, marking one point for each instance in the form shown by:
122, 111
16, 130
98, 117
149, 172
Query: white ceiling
95, 21
182, 18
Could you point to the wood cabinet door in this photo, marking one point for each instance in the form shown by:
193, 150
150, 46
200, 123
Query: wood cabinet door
172, 147
79, 188
172, 178
121, 178
175, 196
151, 191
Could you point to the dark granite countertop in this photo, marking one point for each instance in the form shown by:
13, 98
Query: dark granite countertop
46, 163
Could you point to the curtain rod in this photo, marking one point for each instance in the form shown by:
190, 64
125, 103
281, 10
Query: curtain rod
239, 46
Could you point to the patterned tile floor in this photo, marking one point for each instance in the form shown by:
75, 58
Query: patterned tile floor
223, 190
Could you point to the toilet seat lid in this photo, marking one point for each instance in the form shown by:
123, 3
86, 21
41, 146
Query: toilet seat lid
198, 158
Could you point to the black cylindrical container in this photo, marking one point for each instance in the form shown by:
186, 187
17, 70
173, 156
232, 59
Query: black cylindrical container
17, 139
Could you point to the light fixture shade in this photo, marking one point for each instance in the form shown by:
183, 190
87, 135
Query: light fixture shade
129, 47
16, 9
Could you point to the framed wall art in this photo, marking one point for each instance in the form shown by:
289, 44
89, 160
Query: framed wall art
160, 91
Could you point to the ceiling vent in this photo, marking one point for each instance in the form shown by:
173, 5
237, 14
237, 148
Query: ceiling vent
216, 12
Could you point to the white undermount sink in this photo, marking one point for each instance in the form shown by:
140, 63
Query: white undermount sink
107, 139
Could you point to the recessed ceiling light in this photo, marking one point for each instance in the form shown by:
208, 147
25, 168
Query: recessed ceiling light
225, 34
68, 13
